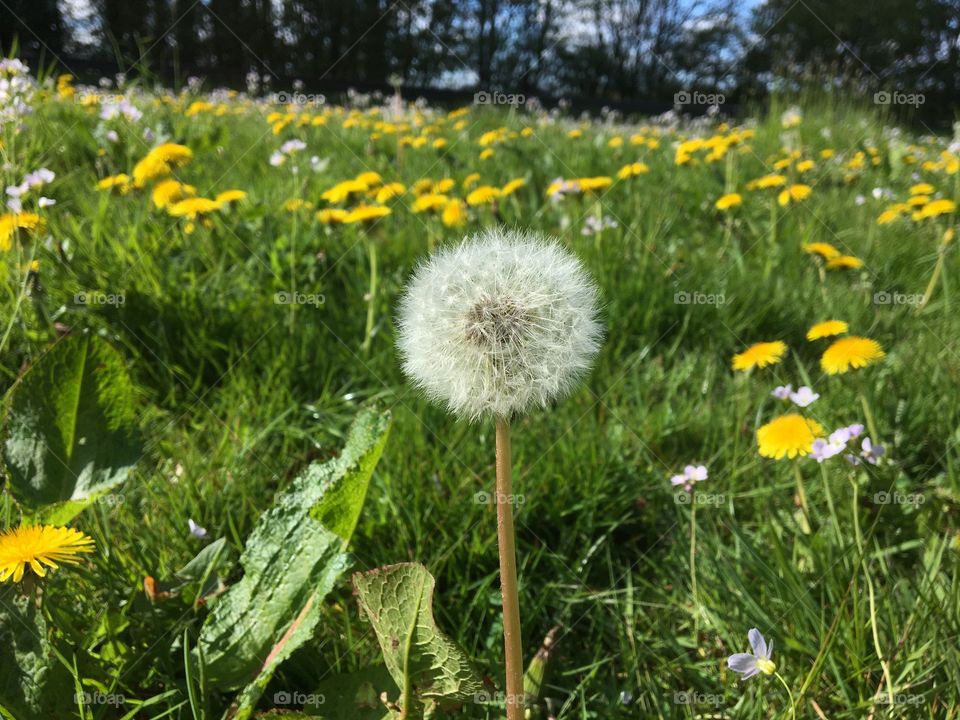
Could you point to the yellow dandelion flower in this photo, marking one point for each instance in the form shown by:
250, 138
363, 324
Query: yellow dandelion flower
922, 189
422, 186
370, 179
40, 547
632, 170
512, 186
824, 250
805, 166
432, 202
767, 181
11, 222
229, 196
850, 352
470, 180
442, 187
167, 192
935, 208
794, 193
760, 355
827, 328
483, 195
730, 200
331, 216
366, 213
486, 154
455, 214
788, 436
343, 190
192, 207
120, 183
593, 184
390, 191
844, 262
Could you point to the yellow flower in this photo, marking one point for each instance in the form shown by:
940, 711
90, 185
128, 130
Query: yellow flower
632, 170
294, 204
918, 200
805, 166
366, 213
512, 186
760, 355
486, 154
824, 250
37, 546
422, 186
455, 214
826, 329
370, 179
11, 222
844, 262
788, 436
483, 195
767, 181
827, 153
390, 191
442, 187
160, 162
229, 196
192, 207
331, 216
431, 202
592, 184
794, 193
343, 190
730, 200
470, 180
120, 183
850, 352
922, 189
170, 191
935, 209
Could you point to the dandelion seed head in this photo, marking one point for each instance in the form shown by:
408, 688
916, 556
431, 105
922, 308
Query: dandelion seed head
498, 324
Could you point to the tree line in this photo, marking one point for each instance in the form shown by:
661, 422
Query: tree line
601, 49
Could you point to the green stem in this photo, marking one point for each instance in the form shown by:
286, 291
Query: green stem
21, 296
793, 707
693, 566
509, 587
802, 494
934, 277
868, 414
372, 301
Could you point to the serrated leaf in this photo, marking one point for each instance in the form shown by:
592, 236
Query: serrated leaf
290, 562
30, 669
425, 664
70, 430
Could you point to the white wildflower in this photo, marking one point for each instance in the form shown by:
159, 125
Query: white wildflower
500, 323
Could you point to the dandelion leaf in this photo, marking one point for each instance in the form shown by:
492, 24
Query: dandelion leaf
398, 602
356, 695
70, 431
291, 561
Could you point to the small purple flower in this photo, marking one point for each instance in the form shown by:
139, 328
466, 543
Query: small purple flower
292, 146
749, 664
870, 452
198, 532
691, 474
823, 450
804, 396
782, 392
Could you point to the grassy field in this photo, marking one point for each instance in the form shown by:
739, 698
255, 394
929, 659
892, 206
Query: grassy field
237, 392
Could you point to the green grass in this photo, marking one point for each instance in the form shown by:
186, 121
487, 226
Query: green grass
240, 392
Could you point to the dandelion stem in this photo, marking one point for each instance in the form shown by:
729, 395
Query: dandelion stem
793, 706
802, 494
868, 414
372, 300
934, 277
513, 652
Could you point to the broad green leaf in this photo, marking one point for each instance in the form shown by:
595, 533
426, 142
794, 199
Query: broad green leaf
32, 681
426, 665
70, 431
355, 695
290, 562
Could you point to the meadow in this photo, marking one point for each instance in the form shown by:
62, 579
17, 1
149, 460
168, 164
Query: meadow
211, 303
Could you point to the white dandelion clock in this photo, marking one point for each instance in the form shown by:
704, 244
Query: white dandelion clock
499, 324
503, 322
